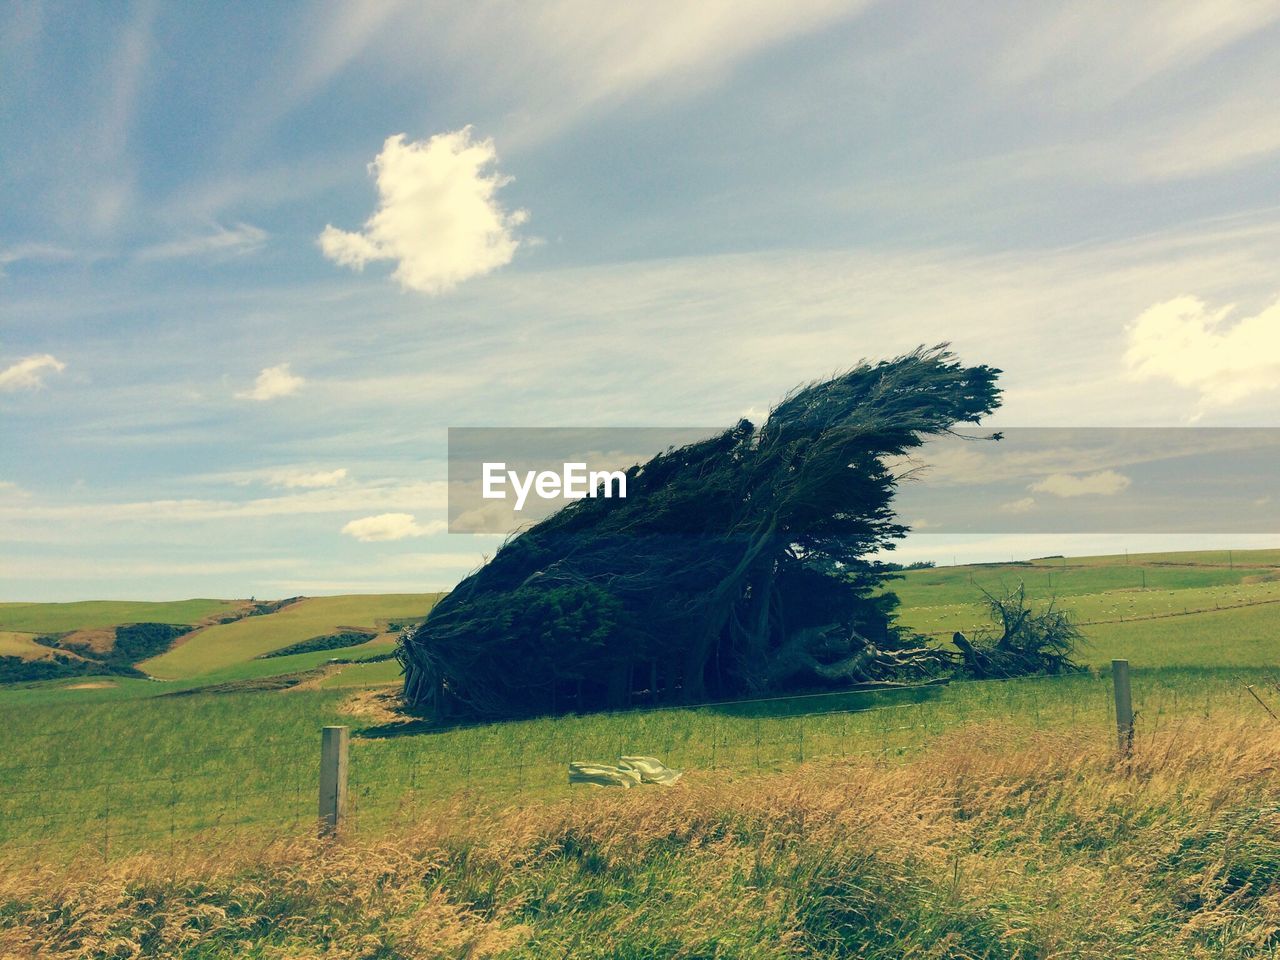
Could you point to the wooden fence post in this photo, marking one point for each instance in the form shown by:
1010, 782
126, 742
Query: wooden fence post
1124, 704
333, 779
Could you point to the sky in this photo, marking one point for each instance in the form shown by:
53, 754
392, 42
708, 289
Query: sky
255, 260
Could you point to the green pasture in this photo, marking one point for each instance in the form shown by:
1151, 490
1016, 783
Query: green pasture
107, 776
223, 648
381, 673
944, 586
137, 763
1095, 609
1191, 558
42, 618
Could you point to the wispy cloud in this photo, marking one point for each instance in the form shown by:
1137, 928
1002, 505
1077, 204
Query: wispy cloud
99, 568
327, 44
33, 251
273, 382
1094, 53
438, 214
571, 56
543, 66
390, 526
1185, 342
1024, 505
427, 496
294, 479
105, 195
28, 373
1104, 483
221, 241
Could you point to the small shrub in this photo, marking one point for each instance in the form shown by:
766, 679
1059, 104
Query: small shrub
333, 641
1023, 641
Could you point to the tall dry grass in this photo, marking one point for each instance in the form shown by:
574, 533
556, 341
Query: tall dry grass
990, 844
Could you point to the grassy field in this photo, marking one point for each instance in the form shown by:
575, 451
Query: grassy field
195, 762
77, 739
44, 618
1186, 600
990, 844
223, 647
220, 761
15, 644
1073, 582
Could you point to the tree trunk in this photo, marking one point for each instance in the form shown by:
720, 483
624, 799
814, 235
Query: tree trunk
619, 686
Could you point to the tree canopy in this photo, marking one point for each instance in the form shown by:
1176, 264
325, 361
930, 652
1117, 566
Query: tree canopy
738, 565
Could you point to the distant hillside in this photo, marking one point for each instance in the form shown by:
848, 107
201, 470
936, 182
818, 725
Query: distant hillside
225, 640
103, 614
225, 646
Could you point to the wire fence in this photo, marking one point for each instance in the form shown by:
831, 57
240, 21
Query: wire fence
120, 800
126, 800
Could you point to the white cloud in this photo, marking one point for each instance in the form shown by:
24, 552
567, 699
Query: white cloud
99, 568
273, 382
390, 526
28, 373
11, 491
348, 498
542, 66
32, 251
242, 238
438, 214
1092, 53
568, 56
1104, 483
295, 479
1019, 506
1182, 341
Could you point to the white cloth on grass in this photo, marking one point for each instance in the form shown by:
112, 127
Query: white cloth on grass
652, 770
630, 772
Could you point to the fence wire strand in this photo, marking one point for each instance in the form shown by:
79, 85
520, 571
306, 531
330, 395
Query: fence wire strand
124, 800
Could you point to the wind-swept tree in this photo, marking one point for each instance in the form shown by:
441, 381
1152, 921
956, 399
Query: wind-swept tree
738, 565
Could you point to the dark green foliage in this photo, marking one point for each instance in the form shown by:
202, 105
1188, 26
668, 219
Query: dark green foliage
139, 641
134, 642
376, 658
262, 608
333, 641
61, 666
1024, 641
736, 565
19, 670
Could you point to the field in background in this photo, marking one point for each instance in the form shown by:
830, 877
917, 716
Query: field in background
15, 644
227, 643
1210, 607
42, 618
1094, 589
1159, 610
137, 764
221, 648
